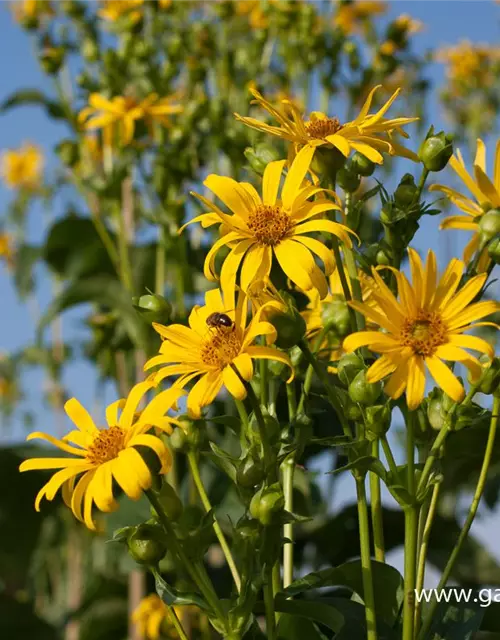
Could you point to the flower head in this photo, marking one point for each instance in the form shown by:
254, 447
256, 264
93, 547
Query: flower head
469, 65
424, 328
211, 348
261, 228
351, 16
22, 168
31, 9
103, 455
112, 10
485, 195
152, 617
370, 134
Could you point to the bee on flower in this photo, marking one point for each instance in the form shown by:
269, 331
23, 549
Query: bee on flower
22, 168
102, 456
218, 348
423, 329
482, 215
370, 134
272, 226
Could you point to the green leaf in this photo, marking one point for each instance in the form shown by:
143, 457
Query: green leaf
317, 611
456, 621
223, 460
26, 258
297, 628
103, 290
335, 441
32, 97
171, 596
387, 582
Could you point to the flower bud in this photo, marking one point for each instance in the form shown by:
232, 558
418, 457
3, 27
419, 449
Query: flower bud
490, 379
267, 503
146, 545
383, 258
153, 308
248, 529
406, 191
68, 152
170, 503
290, 327
489, 226
327, 161
348, 367
260, 156
494, 250
436, 150
438, 407
364, 392
335, 315
378, 420
250, 472
51, 59
348, 179
361, 165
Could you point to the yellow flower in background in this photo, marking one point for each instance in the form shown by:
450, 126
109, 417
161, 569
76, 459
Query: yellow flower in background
102, 456
370, 134
485, 195
22, 168
31, 9
351, 16
424, 328
156, 109
112, 10
469, 64
165, 4
255, 11
211, 346
152, 619
267, 227
409, 25
6, 249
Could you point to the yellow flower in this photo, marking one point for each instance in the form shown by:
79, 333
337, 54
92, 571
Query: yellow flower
351, 15
369, 134
262, 227
152, 620
423, 328
22, 168
31, 9
164, 4
485, 196
113, 10
255, 11
108, 454
157, 109
408, 24
468, 63
209, 350
6, 249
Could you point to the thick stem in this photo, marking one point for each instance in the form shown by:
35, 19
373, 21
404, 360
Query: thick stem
376, 509
422, 553
366, 561
352, 270
310, 371
410, 566
470, 516
389, 456
343, 282
195, 472
288, 473
172, 616
269, 604
438, 442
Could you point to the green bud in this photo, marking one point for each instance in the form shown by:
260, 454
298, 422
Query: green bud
250, 472
68, 152
378, 420
146, 544
489, 226
352, 410
273, 429
290, 327
382, 257
406, 191
248, 529
348, 179
170, 502
327, 161
438, 407
361, 165
436, 150
490, 379
260, 156
494, 250
51, 59
335, 315
267, 503
348, 367
364, 392
156, 303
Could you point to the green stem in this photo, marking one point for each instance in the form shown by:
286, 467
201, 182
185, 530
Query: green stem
173, 618
421, 184
160, 262
310, 371
389, 455
366, 561
376, 509
125, 271
352, 271
422, 554
470, 516
322, 375
288, 473
343, 282
269, 604
195, 471
199, 577
264, 381
410, 453
410, 566
436, 446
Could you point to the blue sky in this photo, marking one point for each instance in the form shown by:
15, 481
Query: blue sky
446, 23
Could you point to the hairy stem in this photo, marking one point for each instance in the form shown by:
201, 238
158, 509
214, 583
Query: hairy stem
366, 561
376, 509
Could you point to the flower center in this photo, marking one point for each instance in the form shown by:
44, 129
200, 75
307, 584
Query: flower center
424, 334
319, 129
222, 347
106, 446
269, 224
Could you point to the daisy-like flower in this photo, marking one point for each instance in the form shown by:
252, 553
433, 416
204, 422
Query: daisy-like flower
103, 455
424, 328
351, 16
22, 168
152, 619
112, 10
469, 64
370, 134
212, 347
261, 228
485, 195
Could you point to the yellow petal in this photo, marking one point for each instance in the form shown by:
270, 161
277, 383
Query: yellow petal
132, 403
381, 368
298, 264
415, 387
80, 416
203, 392
445, 378
154, 443
233, 384
472, 342
296, 175
271, 181
244, 364
465, 295
256, 265
127, 480
231, 193
58, 443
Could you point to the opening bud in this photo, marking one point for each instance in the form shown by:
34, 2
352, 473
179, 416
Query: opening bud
436, 150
